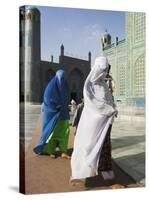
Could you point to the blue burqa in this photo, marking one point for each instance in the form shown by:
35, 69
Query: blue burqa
55, 105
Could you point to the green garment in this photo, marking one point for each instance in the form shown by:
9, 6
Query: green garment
58, 137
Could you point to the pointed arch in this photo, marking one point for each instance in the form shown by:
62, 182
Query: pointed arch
76, 83
139, 69
49, 74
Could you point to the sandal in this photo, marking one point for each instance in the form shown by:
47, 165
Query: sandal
65, 156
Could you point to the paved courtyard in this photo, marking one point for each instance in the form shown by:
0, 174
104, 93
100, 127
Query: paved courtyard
128, 148
128, 142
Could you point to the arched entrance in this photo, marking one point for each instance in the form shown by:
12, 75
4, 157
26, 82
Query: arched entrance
139, 81
47, 76
76, 83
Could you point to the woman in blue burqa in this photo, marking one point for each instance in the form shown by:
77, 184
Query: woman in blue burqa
55, 120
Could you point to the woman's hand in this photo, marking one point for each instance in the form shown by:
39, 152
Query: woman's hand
116, 113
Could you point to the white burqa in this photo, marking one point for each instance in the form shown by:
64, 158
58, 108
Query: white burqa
96, 117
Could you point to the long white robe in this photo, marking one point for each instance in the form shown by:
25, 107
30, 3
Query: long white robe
96, 117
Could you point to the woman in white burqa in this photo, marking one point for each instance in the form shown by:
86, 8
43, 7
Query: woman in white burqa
97, 115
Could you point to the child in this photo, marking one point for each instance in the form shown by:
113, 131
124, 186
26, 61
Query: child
77, 116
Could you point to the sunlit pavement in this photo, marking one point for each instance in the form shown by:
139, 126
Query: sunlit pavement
128, 142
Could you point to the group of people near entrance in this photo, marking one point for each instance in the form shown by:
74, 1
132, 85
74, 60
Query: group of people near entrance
92, 123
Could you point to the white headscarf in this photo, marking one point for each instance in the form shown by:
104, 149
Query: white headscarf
99, 69
96, 89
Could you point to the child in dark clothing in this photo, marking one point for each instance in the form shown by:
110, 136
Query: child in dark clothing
77, 116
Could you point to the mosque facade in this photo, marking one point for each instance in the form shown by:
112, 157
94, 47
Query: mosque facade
127, 59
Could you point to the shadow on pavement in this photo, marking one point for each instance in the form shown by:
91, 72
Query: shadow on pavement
138, 171
120, 178
127, 141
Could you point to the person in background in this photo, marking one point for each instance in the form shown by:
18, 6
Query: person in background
105, 162
73, 106
77, 116
110, 81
